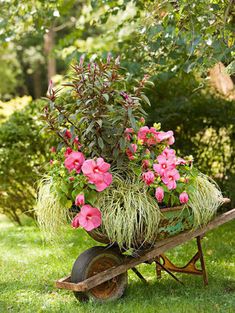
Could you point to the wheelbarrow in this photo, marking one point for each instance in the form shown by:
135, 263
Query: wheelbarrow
100, 272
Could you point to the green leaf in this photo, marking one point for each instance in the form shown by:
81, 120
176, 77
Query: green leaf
115, 153
106, 96
99, 122
101, 143
91, 186
91, 196
230, 69
63, 199
146, 100
64, 187
68, 204
132, 119
122, 143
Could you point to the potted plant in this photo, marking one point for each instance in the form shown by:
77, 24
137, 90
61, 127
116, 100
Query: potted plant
113, 175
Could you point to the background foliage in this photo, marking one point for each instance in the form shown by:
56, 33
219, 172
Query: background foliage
175, 42
23, 150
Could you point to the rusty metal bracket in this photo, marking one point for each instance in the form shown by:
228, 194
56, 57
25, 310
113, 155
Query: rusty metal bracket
163, 263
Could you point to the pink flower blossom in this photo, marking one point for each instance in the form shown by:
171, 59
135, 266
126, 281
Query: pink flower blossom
80, 200
97, 173
163, 165
180, 161
159, 194
148, 135
127, 133
74, 161
75, 221
183, 197
68, 134
170, 177
168, 153
51, 162
148, 177
89, 218
71, 178
53, 150
68, 151
142, 120
169, 136
130, 153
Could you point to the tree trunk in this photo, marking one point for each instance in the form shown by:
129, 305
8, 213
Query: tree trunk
49, 43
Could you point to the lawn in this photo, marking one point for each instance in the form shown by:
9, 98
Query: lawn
29, 268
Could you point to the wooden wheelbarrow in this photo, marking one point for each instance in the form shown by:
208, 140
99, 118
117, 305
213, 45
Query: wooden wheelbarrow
101, 272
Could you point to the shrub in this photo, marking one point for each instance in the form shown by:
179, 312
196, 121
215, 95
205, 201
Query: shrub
22, 153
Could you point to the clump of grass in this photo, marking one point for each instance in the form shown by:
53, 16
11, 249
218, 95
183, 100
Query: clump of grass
51, 215
204, 200
130, 215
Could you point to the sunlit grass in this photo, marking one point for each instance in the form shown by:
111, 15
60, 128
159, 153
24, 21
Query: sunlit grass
29, 268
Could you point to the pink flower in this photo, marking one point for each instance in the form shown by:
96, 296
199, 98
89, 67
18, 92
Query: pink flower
71, 178
142, 120
148, 135
80, 200
169, 136
89, 218
67, 134
75, 221
163, 165
170, 177
183, 197
74, 161
130, 153
53, 150
68, 151
180, 161
51, 162
159, 194
145, 164
127, 133
169, 153
97, 173
148, 177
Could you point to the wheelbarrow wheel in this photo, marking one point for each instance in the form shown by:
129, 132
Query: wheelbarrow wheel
92, 262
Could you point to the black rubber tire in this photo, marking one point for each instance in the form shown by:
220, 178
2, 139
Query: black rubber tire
105, 257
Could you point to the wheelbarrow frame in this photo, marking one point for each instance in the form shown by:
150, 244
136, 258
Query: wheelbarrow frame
154, 255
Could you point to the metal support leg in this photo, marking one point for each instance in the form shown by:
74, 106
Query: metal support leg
158, 268
139, 275
204, 272
189, 268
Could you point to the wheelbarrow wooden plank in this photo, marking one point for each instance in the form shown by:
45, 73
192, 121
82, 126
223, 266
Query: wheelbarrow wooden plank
159, 248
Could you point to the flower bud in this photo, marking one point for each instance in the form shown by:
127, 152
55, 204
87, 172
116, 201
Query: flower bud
159, 194
80, 200
183, 197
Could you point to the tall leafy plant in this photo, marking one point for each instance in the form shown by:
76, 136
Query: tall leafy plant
95, 106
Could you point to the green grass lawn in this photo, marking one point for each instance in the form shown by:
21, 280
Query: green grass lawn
29, 267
